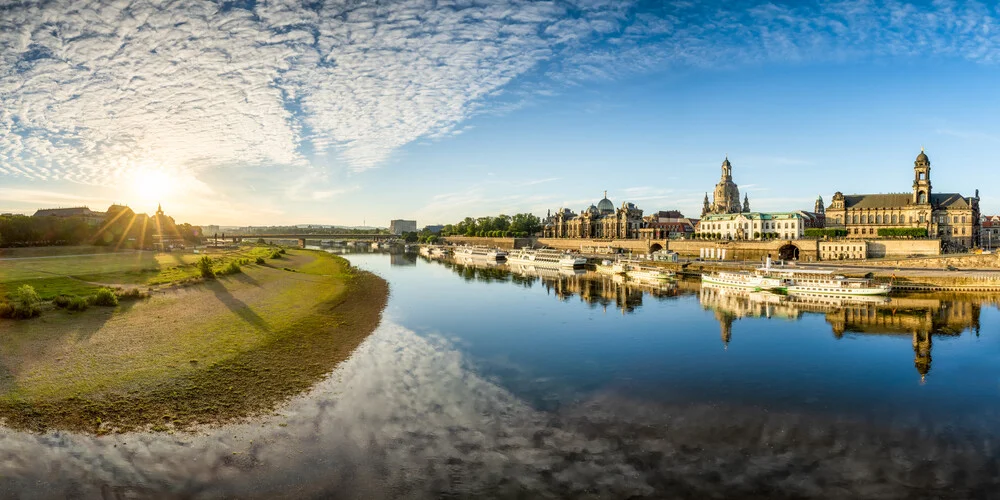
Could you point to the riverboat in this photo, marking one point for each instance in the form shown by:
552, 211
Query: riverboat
546, 258
610, 267
755, 281
826, 283
472, 252
642, 273
376, 245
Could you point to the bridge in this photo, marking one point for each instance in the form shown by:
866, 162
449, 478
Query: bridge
312, 236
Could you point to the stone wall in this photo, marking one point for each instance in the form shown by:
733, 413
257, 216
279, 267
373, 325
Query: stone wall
505, 243
746, 250
599, 246
963, 261
878, 249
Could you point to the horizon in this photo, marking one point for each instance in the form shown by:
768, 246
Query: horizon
239, 116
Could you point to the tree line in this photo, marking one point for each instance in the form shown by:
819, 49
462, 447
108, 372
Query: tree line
519, 225
121, 227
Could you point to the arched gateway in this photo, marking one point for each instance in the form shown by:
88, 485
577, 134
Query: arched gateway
788, 252
655, 247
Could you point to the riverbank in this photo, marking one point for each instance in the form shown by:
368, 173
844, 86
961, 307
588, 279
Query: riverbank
205, 353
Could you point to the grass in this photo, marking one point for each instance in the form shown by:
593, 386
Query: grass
220, 350
55, 271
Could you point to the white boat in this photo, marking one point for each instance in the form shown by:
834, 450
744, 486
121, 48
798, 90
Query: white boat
546, 258
610, 267
440, 251
648, 273
745, 279
492, 254
825, 283
376, 245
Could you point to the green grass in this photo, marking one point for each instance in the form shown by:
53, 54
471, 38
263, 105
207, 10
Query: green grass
80, 270
221, 349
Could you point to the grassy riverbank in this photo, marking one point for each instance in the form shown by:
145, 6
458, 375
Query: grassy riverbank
206, 353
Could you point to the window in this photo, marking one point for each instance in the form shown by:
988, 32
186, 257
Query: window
955, 219
921, 218
920, 176
894, 219
921, 197
963, 219
911, 219
878, 219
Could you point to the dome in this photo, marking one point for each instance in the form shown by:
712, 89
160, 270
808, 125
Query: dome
605, 204
593, 209
922, 157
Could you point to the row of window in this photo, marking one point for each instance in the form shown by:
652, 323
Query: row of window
717, 226
893, 219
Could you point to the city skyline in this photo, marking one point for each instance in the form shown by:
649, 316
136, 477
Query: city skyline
239, 115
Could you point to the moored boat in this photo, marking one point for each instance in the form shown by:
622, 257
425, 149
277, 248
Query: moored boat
546, 258
648, 273
475, 252
610, 267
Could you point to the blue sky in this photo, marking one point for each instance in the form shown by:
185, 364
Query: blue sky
351, 113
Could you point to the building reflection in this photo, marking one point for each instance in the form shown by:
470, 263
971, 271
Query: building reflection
594, 289
920, 317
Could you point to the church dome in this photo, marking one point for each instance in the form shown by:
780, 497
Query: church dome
605, 205
922, 157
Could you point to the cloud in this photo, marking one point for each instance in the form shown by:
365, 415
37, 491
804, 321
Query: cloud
90, 90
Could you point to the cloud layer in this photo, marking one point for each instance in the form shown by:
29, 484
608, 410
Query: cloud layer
92, 89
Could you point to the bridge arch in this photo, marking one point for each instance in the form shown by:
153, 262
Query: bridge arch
788, 251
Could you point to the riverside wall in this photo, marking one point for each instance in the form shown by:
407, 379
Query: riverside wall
878, 249
504, 243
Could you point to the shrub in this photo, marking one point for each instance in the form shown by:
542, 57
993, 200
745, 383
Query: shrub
104, 297
814, 232
275, 254
282, 251
24, 303
78, 304
260, 261
906, 232
205, 266
131, 294
232, 268
61, 301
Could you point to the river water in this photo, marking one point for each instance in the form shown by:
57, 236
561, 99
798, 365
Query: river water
491, 382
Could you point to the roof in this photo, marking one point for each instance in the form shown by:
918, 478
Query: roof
900, 200
64, 212
752, 216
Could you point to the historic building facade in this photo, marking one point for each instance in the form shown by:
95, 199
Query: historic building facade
950, 216
753, 225
726, 197
601, 221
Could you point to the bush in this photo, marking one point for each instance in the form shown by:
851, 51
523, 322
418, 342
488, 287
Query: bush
24, 303
275, 254
205, 266
282, 251
78, 304
260, 261
131, 294
61, 301
903, 232
104, 297
814, 232
232, 268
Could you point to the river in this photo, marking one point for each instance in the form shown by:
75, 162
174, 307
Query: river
483, 381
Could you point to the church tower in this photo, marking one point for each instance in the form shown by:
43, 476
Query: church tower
726, 199
746, 202
819, 208
922, 179
706, 208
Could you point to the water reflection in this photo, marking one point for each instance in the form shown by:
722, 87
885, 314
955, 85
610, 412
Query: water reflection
920, 317
656, 409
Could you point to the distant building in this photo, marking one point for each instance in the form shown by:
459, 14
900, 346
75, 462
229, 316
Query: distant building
950, 216
436, 229
213, 229
400, 226
991, 232
753, 225
726, 197
666, 224
86, 214
601, 221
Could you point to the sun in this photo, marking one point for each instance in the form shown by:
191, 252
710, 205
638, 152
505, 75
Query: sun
153, 185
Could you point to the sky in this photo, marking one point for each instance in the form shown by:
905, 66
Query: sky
355, 113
